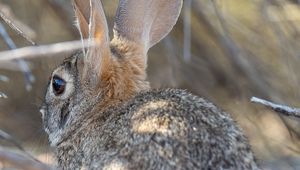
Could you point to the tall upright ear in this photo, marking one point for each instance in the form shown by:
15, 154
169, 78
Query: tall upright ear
82, 14
92, 25
146, 21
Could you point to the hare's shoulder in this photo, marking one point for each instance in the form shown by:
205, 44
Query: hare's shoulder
175, 128
170, 112
171, 128
164, 107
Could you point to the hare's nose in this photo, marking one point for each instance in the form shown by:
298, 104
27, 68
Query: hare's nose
42, 111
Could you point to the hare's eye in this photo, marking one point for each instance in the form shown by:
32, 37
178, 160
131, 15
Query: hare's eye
58, 85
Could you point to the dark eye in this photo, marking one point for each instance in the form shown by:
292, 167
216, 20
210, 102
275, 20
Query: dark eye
58, 85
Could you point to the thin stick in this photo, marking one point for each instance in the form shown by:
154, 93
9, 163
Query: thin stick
6, 137
286, 110
4, 78
22, 162
29, 78
2, 95
16, 29
38, 51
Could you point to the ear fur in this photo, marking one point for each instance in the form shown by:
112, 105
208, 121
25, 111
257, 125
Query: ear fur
92, 25
146, 22
81, 9
142, 23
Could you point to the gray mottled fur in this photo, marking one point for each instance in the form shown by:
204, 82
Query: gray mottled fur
158, 129
106, 116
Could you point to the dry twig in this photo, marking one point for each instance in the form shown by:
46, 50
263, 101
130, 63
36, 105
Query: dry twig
43, 50
4, 78
29, 78
16, 29
6, 137
21, 162
285, 110
2, 95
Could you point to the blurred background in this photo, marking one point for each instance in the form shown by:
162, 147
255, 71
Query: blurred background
224, 50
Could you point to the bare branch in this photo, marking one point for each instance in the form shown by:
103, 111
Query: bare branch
24, 161
9, 42
29, 78
12, 65
10, 139
2, 95
286, 110
4, 78
15, 28
6, 137
21, 162
38, 51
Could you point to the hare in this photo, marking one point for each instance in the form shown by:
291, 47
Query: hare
100, 113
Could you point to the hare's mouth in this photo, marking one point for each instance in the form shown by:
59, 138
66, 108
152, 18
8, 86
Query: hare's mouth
64, 114
55, 138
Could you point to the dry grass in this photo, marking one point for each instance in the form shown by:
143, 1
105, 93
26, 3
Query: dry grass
238, 49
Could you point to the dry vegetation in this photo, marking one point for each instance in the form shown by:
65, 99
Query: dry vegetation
225, 50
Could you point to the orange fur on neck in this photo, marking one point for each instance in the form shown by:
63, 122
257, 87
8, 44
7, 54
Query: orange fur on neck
123, 74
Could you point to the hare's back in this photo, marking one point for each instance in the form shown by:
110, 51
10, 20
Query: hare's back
168, 129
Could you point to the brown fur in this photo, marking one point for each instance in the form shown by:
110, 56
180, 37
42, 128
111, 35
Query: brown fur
108, 118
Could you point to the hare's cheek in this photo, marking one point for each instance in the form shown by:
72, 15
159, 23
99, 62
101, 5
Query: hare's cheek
51, 119
43, 112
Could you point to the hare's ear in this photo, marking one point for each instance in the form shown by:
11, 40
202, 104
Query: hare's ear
146, 21
82, 12
92, 25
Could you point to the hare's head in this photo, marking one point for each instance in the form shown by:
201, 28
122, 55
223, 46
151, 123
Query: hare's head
107, 72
